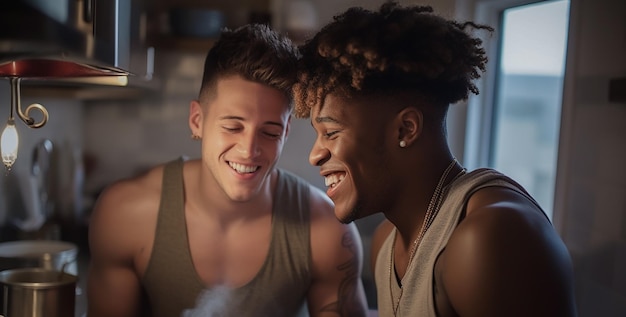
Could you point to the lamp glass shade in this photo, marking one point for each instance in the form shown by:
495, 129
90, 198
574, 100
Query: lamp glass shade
9, 142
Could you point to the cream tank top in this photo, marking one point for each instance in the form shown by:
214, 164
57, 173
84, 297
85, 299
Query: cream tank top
417, 295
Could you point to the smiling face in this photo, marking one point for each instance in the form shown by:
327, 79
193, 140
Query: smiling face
351, 150
243, 129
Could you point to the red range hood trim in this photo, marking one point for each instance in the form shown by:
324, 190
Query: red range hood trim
49, 68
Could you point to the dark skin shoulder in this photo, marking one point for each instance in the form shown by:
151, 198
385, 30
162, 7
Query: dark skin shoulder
504, 259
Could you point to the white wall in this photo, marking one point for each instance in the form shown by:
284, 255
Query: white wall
590, 205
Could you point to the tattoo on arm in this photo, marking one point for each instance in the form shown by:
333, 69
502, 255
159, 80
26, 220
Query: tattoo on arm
347, 303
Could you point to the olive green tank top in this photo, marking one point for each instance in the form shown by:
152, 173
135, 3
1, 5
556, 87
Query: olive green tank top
173, 287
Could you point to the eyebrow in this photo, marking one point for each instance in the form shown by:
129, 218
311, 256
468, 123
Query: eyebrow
242, 119
325, 120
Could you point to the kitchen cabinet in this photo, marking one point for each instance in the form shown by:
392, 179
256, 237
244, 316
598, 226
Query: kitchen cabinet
104, 35
140, 54
235, 12
147, 35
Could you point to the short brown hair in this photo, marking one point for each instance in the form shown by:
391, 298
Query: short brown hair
256, 53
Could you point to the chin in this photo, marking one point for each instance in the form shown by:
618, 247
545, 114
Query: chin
347, 216
243, 195
346, 220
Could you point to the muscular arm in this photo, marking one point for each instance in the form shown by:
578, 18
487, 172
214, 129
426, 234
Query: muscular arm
505, 259
113, 287
337, 288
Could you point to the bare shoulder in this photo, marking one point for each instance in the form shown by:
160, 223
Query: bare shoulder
124, 211
501, 212
131, 196
332, 242
321, 206
326, 230
121, 234
337, 262
324, 224
504, 254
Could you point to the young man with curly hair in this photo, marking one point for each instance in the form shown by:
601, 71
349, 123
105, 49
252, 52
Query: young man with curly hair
377, 87
227, 234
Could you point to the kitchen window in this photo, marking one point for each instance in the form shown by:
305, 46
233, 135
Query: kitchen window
517, 130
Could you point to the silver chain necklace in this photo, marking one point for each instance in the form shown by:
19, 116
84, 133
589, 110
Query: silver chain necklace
429, 217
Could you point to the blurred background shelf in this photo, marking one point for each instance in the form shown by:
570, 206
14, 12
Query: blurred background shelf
177, 43
193, 25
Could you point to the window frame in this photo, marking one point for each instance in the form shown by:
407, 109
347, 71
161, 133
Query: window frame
480, 110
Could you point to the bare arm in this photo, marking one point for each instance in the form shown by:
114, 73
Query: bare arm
337, 288
113, 287
505, 259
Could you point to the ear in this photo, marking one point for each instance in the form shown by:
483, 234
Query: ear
411, 123
288, 127
196, 116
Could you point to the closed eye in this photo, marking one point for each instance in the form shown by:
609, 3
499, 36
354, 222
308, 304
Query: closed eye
273, 135
330, 134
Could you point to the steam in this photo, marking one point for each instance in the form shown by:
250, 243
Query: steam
212, 302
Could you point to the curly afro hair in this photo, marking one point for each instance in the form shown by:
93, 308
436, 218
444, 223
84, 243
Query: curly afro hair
397, 49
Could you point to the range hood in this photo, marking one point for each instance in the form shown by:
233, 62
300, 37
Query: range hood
65, 40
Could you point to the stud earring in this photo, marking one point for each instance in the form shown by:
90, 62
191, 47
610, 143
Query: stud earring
402, 143
195, 137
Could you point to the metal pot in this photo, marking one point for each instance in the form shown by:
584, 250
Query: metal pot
37, 292
48, 254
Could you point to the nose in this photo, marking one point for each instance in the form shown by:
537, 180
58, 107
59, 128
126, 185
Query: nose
319, 154
249, 147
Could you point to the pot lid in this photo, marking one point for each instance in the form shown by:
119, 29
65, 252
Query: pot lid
36, 248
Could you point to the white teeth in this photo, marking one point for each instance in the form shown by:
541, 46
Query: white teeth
242, 169
333, 179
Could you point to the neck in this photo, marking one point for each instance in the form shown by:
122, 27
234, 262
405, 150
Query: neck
206, 198
413, 204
